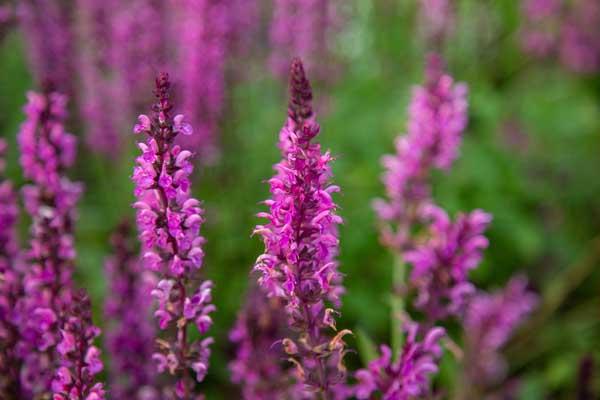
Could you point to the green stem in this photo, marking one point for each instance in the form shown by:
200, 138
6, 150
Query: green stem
397, 305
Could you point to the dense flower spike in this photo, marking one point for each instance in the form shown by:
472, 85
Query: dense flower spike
489, 322
10, 286
568, 30
46, 151
441, 264
99, 99
47, 25
169, 221
202, 52
79, 358
301, 244
257, 366
437, 119
129, 333
407, 378
306, 28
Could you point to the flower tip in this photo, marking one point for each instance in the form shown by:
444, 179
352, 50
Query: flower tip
162, 79
300, 107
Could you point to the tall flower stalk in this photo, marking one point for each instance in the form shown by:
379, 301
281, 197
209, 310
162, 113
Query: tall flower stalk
202, 54
129, 334
50, 199
48, 28
169, 221
301, 244
10, 285
99, 98
437, 118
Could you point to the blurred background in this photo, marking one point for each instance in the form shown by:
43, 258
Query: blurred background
530, 154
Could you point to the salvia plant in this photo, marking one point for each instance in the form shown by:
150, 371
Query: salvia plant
301, 245
50, 198
169, 221
286, 342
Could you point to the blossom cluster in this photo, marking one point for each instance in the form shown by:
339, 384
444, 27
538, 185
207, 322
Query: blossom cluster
301, 244
79, 358
408, 377
489, 322
568, 30
169, 221
441, 264
437, 119
46, 151
129, 333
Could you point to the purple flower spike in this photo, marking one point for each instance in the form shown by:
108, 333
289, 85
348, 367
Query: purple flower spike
10, 285
129, 335
79, 358
301, 244
204, 28
490, 321
47, 26
169, 221
257, 366
441, 264
101, 105
407, 378
437, 119
50, 199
